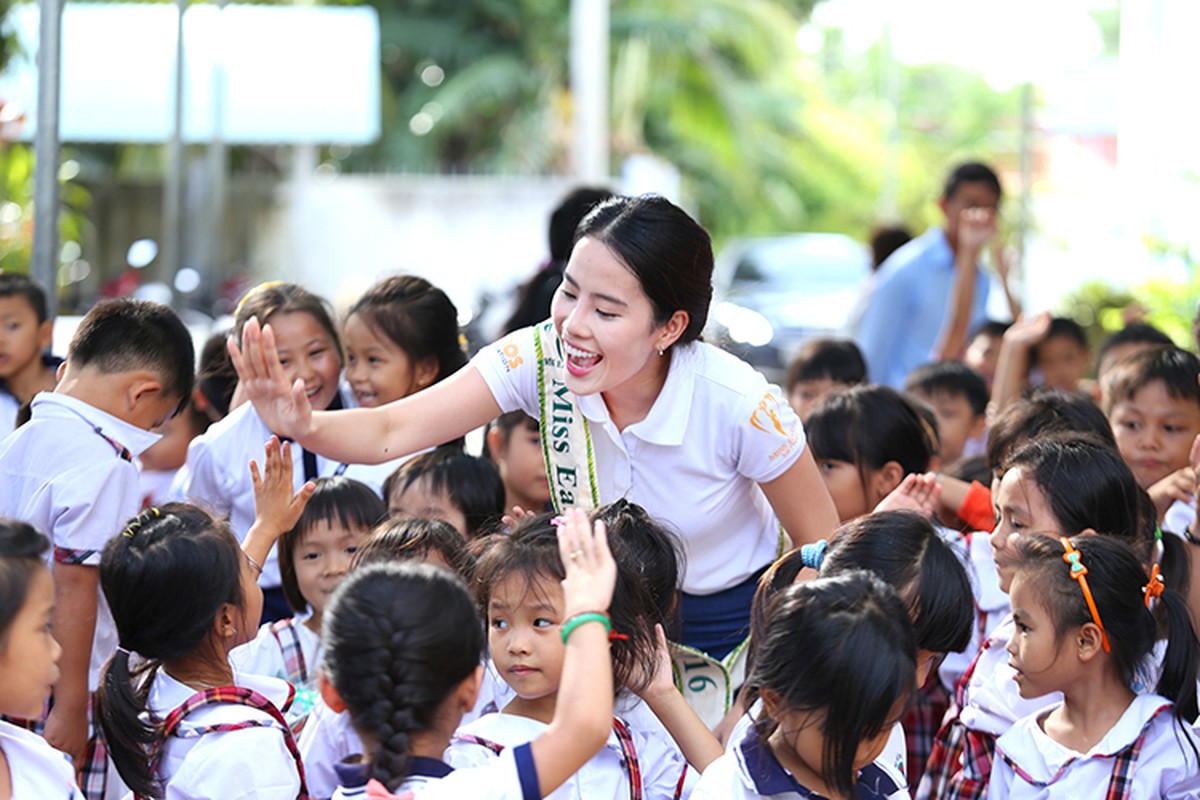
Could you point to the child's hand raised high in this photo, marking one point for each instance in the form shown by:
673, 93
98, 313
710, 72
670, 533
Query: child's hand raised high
588, 563
276, 507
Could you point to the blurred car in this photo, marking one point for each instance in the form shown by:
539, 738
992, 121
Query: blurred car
773, 293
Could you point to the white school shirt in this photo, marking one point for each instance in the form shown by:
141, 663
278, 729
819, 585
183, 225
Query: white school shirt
639, 718
604, 775
328, 738
36, 769
1178, 517
252, 763
511, 776
1166, 767
751, 770
993, 700
991, 603
716, 431
66, 475
263, 655
9, 406
893, 760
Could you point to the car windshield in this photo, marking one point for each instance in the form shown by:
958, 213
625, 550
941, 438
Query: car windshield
811, 260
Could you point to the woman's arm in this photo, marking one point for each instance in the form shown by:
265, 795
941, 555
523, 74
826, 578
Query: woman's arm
802, 503
444, 411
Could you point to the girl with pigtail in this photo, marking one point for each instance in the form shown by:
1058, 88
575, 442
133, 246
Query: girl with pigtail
177, 721
1084, 627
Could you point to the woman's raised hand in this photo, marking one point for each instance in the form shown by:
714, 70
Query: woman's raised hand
284, 408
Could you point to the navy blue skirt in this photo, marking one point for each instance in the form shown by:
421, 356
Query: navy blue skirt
717, 623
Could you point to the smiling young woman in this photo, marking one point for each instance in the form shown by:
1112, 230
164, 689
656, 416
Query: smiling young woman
631, 405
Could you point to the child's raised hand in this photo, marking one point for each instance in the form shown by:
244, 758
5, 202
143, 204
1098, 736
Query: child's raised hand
276, 507
919, 493
516, 515
283, 407
663, 679
589, 566
1179, 485
1028, 331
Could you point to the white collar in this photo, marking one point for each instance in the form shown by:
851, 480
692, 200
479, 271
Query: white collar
114, 429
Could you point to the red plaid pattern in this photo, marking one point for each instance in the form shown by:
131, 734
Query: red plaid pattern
63, 555
288, 640
240, 696
93, 777
921, 726
960, 762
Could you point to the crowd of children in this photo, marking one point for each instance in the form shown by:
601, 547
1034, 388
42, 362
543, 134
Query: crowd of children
656, 582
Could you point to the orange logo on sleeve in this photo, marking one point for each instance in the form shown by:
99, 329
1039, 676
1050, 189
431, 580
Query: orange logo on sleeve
767, 412
512, 354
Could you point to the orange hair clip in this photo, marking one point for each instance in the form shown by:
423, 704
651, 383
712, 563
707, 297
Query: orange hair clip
1079, 575
1154, 589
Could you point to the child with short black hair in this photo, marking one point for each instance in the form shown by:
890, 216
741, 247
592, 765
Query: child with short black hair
983, 350
450, 485
1119, 345
959, 397
26, 333
69, 471
1040, 351
514, 444
822, 366
1153, 402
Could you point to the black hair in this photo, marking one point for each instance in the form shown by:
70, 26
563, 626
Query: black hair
1085, 481
337, 500
655, 554
868, 426
268, 299
567, 215
398, 639
1061, 328
531, 552
836, 359
971, 172
903, 549
843, 645
14, 284
973, 468
123, 335
668, 251
885, 240
473, 485
1175, 368
952, 378
507, 423
1043, 411
142, 571
1134, 333
1116, 578
415, 540
22, 553
991, 327
216, 378
417, 317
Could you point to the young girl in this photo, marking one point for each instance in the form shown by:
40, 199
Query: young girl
835, 668
403, 657
514, 445
866, 439
1064, 484
311, 354
1084, 628
448, 485
630, 402
29, 663
518, 585
176, 720
314, 557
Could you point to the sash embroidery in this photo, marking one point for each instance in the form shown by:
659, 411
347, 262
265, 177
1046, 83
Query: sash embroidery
566, 440
708, 684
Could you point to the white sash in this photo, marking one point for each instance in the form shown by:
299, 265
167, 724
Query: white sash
566, 441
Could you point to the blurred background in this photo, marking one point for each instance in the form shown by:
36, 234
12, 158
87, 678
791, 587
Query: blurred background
329, 144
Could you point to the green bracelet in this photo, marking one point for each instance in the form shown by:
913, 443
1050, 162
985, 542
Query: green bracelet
587, 616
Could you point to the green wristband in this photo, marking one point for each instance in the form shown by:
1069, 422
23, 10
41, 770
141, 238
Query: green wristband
588, 616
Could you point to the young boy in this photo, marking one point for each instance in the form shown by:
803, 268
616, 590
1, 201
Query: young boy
821, 366
1039, 351
959, 397
983, 351
69, 472
1153, 404
25, 335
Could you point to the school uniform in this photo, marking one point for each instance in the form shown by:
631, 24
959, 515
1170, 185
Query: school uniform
751, 770
511, 776
35, 768
1179, 517
638, 717
629, 765
991, 603
1147, 754
251, 760
285, 649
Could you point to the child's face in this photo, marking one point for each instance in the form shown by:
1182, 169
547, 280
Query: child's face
1062, 362
522, 468
307, 351
29, 662
957, 422
845, 486
800, 737
22, 338
523, 635
321, 559
252, 603
169, 452
1021, 508
420, 501
1154, 432
983, 354
379, 370
1036, 651
805, 394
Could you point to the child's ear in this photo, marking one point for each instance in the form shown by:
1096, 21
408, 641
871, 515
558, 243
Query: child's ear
495, 441
226, 621
62, 370
467, 692
978, 426
426, 372
142, 390
1089, 641
771, 701
328, 693
46, 334
884, 480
